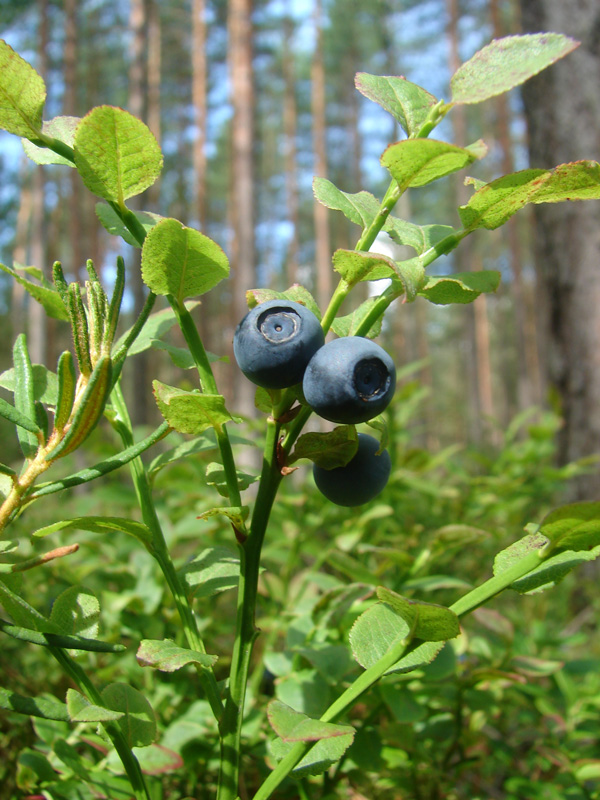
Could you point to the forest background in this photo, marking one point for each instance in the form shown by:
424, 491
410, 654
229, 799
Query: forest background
250, 100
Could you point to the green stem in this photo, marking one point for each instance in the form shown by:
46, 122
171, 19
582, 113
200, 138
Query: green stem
160, 552
246, 633
396, 289
209, 385
128, 759
469, 602
390, 199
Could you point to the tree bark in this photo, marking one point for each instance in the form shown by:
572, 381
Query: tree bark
138, 107
242, 181
478, 361
321, 214
528, 366
562, 107
39, 330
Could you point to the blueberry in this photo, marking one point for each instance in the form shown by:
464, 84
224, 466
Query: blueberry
275, 341
349, 380
362, 479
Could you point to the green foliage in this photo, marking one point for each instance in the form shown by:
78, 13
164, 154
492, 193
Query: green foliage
380, 667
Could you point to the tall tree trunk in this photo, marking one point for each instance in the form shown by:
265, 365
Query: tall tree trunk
290, 125
562, 107
481, 402
321, 214
38, 325
528, 366
242, 181
70, 109
199, 100
138, 107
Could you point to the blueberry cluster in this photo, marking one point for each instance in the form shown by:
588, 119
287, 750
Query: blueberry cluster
348, 381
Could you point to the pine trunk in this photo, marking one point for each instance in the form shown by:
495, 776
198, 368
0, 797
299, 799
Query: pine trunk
562, 107
242, 177
321, 214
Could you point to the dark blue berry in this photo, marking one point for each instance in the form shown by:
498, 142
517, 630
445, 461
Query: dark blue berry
275, 341
349, 380
362, 479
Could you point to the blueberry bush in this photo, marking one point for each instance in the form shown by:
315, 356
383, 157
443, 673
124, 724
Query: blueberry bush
283, 645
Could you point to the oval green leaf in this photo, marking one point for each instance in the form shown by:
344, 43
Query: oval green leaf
506, 63
22, 95
408, 103
116, 154
139, 722
417, 162
181, 261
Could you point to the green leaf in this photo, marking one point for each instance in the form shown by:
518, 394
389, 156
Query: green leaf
61, 128
99, 525
190, 412
553, 570
181, 261
410, 274
427, 621
157, 325
460, 287
419, 237
408, 103
116, 154
355, 266
60, 640
66, 388
45, 383
34, 770
573, 527
139, 722
215, 476
586, 770
33, 706
348, 325
88, 411
24, 395
376, 630
206, 441
81, 710
328, 450
213, 570
417, 162
319, 758
360, 208
166, 656
506, 63
48, 298
293, 726
12, 415
115, 225
21, 612
237, 515
518, 550
76, 611
493, 204
22, 95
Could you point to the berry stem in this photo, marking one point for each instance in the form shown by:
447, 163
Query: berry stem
246, 632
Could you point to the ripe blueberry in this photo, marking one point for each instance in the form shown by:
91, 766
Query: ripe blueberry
362, 479
275, 341
349, 380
